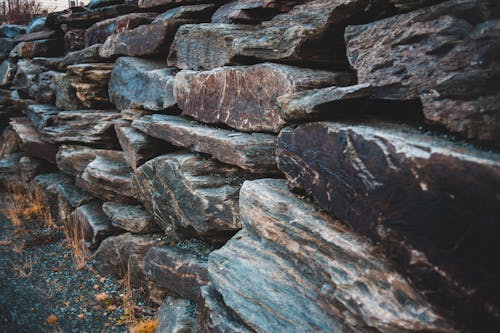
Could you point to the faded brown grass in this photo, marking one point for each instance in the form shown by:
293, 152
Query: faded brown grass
74, 235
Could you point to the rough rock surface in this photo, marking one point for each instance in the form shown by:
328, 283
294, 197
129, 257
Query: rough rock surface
87, 55
7, 71
441, 54
201, 12
94, 223
187, 192
245, 97
176, 316
215, 316
408, 191
155, 91
38, 48
137, 146
181, 269
277, 225
9, 142
73, 159
253, 152
134, 219
108, 177
31, 142
101, 30
92, 127
132, 42
114, 255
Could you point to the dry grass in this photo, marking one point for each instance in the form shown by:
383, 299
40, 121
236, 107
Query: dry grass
74, 234
24, 270
144, 326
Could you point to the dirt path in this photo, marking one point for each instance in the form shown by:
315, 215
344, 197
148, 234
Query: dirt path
41, 289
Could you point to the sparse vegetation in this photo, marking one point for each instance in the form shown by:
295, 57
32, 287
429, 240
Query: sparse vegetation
19, 11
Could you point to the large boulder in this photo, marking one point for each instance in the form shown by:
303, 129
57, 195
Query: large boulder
316, 274
245, 97
431, 202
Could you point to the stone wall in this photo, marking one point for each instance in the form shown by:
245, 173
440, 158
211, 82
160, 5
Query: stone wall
311, 166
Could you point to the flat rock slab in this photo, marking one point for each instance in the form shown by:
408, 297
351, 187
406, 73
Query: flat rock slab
131, 218
176, 315
155, 91
108, 177
172, 3
69, 198
87, 55
137, 146
11, 30
253, 152
132, 42
115, 253
73, 159
45, 34
252, 11
431, 202
42, 115
188, 192
202, 12
215, 316
182, 268
312, 271
82, 18
94, 223
31, 141
440, 54
245, 97
91, 127
38, 48
101, 30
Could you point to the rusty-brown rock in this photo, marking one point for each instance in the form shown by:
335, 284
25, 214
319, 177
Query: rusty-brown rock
431, 202
188, 193
253, 152
181, 268
31, 142
442, 55
314, 273
245, 97
90, 84
132, 42
38, 48
98, 32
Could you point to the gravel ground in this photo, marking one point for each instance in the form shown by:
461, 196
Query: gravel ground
41, 289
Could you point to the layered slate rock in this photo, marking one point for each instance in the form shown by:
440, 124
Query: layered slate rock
26, 74
98, 33
131, 218
65, 93
7, 71
9, 142
95, 224
176, 316
252, 11
45, 34
91, 127
132, 42
108, 177
253, 152
38, 48
157, 3
245, 97
42, 115
31, 142
42, 87
74, 40
310, 34
87, 55
69, 198
189, 193
214, 316
202, 12
137, 146
82, 18
427, 200
442, 55
73, 159
155, 91
337, 281
90, 83
46, 190
115, 255
181, 269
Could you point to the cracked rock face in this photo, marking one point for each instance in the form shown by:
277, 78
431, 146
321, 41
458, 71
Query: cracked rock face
278, 262
407, 190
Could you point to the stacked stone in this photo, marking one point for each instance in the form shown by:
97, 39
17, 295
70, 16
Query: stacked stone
275, 166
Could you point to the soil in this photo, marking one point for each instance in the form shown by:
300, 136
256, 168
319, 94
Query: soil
42, 290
